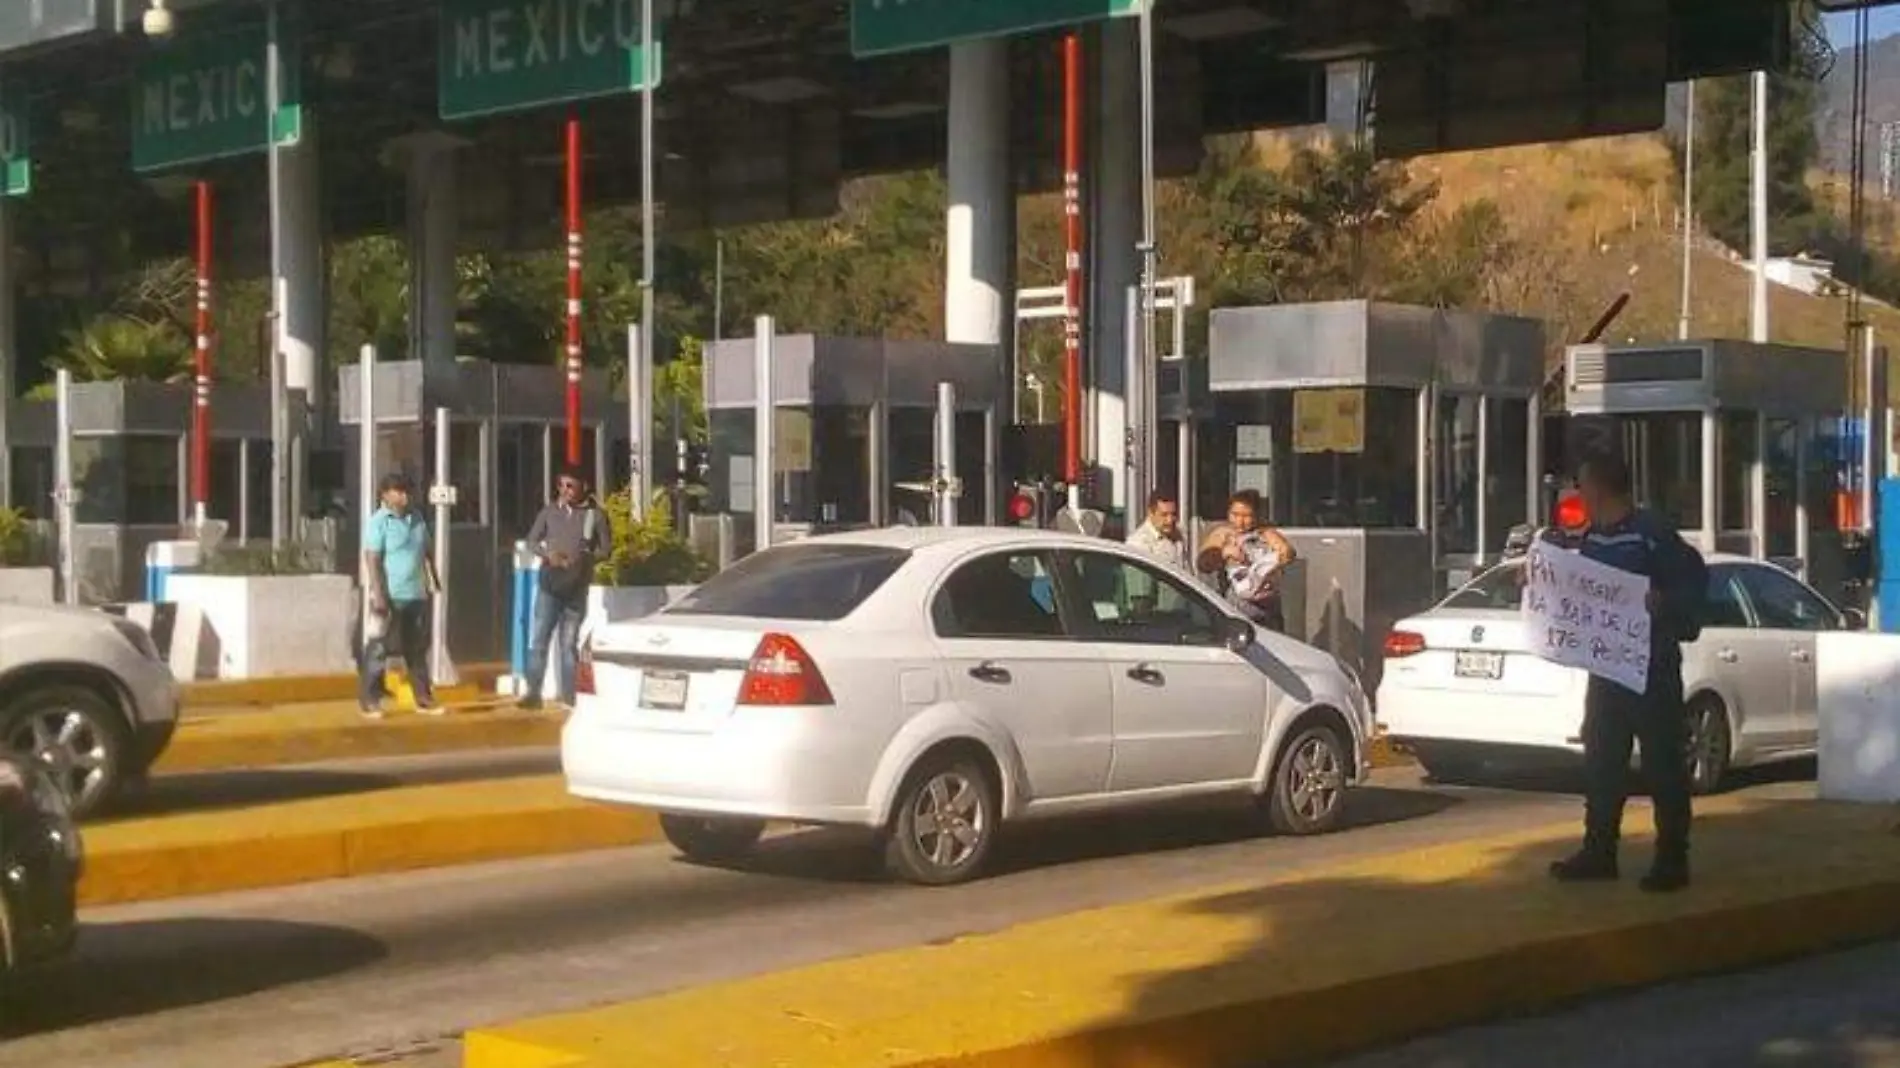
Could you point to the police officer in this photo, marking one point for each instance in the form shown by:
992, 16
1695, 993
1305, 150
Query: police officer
1640, 542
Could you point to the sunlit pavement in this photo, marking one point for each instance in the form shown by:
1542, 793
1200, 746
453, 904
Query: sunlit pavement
1840, 1011
392, 963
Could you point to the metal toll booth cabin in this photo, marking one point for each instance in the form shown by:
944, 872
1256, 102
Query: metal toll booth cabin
131, 457
1737, 443
507, 441
1396, 447
855, 421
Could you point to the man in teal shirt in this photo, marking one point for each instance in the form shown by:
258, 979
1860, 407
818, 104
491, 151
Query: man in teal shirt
399, 578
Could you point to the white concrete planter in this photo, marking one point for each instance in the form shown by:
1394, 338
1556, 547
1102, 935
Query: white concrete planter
26, 585
1857, 674
273, 625
609, 604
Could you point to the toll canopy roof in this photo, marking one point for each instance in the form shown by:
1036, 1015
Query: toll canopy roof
1367, 343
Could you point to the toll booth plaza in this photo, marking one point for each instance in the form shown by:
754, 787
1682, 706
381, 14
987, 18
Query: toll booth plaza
130, 460
506, 441
1396, 447
856, 432
1738, 444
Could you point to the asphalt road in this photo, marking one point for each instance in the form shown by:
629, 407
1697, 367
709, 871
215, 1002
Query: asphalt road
266, 979
1840, 1011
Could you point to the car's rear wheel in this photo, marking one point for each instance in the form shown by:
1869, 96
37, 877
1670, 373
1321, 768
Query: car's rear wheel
1710, 752
75, 736
711, 838
945, 822
1308, 789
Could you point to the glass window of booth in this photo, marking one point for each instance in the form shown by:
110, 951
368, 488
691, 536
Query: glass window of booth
1664, 451
1457, 472
521, 477
1361, 471
1782, 473
1736, 455
257, 489
1507, 471
912, 455
1826, 454
153, 480
226, 497
30, 468
841, 459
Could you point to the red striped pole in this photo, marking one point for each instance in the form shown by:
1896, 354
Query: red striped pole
201, 365
573, 292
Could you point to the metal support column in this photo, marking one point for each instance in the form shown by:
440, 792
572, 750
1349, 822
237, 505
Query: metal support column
442, 496
764, 431
365, 462
65, 496
946, 489
1711, 473
639, 420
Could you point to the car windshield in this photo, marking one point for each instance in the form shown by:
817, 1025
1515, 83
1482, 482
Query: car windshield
807, 582
1496, 588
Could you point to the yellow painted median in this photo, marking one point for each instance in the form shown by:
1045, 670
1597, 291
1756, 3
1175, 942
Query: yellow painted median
1341, 959
308, 734
381, 831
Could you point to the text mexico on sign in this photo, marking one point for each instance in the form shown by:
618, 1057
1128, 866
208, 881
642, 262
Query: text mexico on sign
202, 98
879, 27
1587, 615
511, 55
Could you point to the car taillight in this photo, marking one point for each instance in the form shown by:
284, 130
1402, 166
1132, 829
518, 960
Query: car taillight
1401, 643
584, 671
782, 673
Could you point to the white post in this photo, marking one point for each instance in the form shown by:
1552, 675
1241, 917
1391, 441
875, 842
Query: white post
442, 495
1135, 452
1688, 214
764, 429
1869, 478
980, 223
279, 431
1758, 317
946, 455
639, 421
64, 495
366, 460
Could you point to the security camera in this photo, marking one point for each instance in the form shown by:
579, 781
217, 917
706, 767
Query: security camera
157, 20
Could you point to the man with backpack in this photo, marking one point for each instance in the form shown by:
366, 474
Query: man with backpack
570, 536
1642, 543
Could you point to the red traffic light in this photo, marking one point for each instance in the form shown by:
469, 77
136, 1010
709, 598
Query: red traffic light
1571, 515
1022, 507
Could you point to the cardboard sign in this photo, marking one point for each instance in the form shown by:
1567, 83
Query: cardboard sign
1587, 615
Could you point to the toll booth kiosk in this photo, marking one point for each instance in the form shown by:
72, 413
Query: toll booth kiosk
1396, 447
131, 457
855, 421
1739, 444
507, 440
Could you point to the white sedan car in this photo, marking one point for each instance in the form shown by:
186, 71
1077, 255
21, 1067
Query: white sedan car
934, 684
1460, 691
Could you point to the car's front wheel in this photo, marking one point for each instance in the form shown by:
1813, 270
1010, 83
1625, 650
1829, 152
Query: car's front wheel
75, 736
945, 822
1308, 790
711, 838
1709, 750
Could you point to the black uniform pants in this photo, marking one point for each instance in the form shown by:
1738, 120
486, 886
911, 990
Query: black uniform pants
1615, 719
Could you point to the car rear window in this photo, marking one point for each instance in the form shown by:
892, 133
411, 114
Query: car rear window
809, 582
1496, 588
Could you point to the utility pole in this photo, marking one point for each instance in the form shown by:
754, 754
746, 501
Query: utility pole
1688, 214
1758, 312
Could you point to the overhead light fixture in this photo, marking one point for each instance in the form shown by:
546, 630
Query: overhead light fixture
1333, 53
779, 90
157, 20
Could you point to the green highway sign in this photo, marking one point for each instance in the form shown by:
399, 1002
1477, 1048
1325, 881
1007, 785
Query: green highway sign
512, 55
202, 98
881, 27
16, 149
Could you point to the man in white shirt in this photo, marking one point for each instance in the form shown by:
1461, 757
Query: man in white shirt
1160, 534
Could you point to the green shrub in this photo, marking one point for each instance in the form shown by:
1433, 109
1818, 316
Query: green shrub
258, 560
647, 552
16, 536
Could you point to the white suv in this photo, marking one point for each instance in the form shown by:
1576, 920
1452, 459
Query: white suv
86, 695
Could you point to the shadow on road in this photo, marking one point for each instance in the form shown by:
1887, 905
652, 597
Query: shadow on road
1566, 777
847, 855
124, 970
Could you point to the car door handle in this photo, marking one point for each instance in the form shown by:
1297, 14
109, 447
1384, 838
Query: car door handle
988, 672
1144, 673
1727, 656
1801, 656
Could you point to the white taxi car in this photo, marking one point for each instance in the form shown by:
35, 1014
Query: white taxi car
934, 684
1461, 691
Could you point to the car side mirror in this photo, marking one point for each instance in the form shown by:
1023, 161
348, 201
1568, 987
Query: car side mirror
1237, 634
1853, 619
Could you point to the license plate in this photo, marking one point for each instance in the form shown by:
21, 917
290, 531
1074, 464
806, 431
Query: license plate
663, 689
1478, 665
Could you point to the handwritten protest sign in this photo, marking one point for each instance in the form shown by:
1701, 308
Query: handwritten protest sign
1583, 614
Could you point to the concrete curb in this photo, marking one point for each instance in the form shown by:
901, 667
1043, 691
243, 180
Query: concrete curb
408, 735
132, 873
1214, 979
477, 681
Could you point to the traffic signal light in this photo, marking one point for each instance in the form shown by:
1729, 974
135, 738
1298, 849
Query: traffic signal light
1033, 504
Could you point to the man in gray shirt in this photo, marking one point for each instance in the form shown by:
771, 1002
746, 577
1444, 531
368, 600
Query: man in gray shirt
570, 536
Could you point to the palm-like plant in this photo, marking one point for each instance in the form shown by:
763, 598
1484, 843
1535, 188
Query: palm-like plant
112, 347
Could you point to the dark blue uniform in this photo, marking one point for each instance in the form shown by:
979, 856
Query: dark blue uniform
1615, 717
